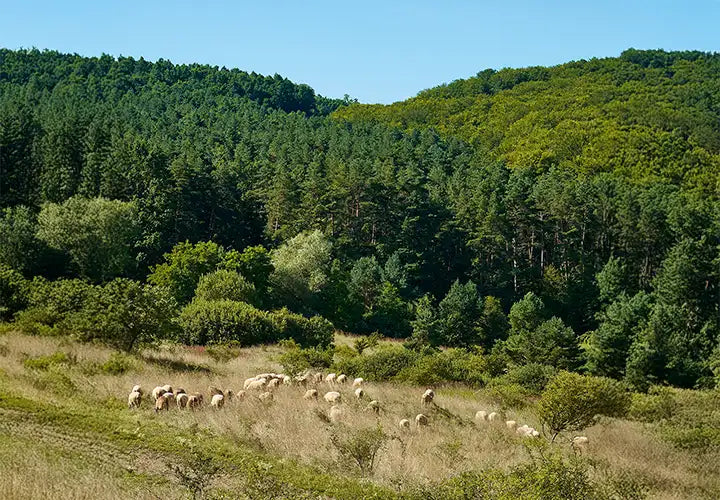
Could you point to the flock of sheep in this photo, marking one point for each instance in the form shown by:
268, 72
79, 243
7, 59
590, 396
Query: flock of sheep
267, 383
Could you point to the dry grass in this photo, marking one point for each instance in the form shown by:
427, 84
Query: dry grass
291, 427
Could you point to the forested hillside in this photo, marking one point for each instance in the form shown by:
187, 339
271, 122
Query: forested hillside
564, 216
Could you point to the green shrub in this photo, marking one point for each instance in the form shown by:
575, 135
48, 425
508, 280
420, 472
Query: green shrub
382, 364
13, 292
533, 377
451, 365
117, 364
366, 342
295, 359
507, 396
359, 445
222, 353
225, 285
571, 402
58, 358
314, 331
51, 306
658, 404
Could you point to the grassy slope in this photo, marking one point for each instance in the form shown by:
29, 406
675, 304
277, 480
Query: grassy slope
78, 440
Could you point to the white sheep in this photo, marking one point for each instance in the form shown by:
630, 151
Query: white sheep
404, 424
287, 380
421, 420
214, 390
217, 401
527, 431
359, 393
240, 395
336, 413
342, 378
374, 405
134, 399
330, 379
492, 417
256, 385
358, 382
481, 416
157, 392
182, 400
273, 384
162, 403
167, 388
248, 381
194, 401
332, 397
317, 378
311, 394
266, 397
179, 390
427, 397
137, 388
511, 424
579, 443
170, 397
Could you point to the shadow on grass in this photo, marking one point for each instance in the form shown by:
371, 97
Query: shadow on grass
175, 365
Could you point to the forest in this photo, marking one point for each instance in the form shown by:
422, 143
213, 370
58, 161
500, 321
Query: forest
567, 217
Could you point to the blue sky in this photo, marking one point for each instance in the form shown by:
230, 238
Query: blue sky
376, 51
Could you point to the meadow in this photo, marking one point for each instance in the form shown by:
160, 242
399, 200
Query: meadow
67, 433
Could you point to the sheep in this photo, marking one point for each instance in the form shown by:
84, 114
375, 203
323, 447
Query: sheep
170, 397
336, 413
317, 378
240, 395
157, 392
311, 394
358, 382
330, 379
273, 384
359, 393
421, 420
248, 381
579, 443
287, 380
404, 424
332, 397
481, 416
342, 378
374, 405
194, 401
134, 399
162, 403
214, 391
526, 431
492, 417
257, 384
427, 397
511, 424
178, 391
301, 380
137, 388
181, 400
217, 401
266, 397
167, 388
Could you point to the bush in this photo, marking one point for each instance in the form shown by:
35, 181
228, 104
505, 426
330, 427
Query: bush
452, 365
295, 360
44, 363
507, 396
225, 285
571, 402
658, 404
361, 445
382, 364
117, 364
220, 321
533, 377
51, 305
222, 353
13, 292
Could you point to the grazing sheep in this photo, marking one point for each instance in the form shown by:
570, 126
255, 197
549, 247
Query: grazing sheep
527, 431
170, 397
157, 392
137, 388
266, 397
374, 405
342, 378
404, 424
358, 382
182, 400
194, 401
579, 443
336, 413
511, 424
332, 397
178, 391
421, 420
273, 384
134, 399
162, 403
167, 388
287, 380
493, 417
481, 416
301, 380
241, 395
317, 378
215, 391
427, 397
359, 393
256, 385
330, 379
311, 394
217, 401
248, 381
